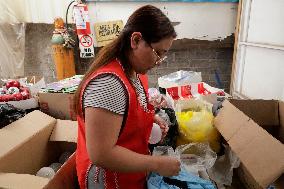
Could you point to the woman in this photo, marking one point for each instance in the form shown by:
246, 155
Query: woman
114, 117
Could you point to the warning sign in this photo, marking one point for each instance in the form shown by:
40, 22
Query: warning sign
86, 46
86, 41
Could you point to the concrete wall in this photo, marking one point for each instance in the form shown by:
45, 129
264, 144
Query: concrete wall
187, 54
38, 52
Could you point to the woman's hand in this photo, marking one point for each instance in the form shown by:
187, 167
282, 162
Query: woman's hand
167, 166
163, 125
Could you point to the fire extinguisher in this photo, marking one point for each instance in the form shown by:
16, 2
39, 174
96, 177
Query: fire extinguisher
81, 18
83, 29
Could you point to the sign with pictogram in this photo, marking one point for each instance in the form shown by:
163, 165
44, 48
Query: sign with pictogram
86, 41
86, 46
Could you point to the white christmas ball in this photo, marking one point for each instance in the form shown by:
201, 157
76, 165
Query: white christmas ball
156, 134
13, 90
64, 157
55, 166
45, 172
3, 91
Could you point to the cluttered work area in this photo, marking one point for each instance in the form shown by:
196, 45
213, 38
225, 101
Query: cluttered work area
219, 89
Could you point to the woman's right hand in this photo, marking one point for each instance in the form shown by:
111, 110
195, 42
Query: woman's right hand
167, 166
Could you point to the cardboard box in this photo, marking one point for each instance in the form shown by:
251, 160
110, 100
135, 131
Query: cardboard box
58, 105
243, 125
261, 154
30, 143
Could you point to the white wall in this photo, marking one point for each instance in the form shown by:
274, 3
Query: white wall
207, 21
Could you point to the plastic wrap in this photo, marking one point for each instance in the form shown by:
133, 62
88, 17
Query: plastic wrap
195, 120
12, 43
196, 158
222, 171
159, 100
9, 114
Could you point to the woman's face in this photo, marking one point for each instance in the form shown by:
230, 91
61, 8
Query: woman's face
145, 56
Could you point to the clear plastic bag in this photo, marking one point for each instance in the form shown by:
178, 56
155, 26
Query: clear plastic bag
195, 158
195, 121
12, 43
222, 171
158, 100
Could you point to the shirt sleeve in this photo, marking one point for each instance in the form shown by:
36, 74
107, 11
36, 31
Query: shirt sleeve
106, 91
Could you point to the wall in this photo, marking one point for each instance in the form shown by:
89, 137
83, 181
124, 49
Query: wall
35, 11
187, 54
204, 21
205, 38
38, 58
200, 56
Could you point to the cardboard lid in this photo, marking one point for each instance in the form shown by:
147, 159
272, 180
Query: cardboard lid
65, 130
20, 181
260, 153
22, 130
266, 114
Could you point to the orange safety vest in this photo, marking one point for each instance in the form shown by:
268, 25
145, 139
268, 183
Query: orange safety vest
134, 134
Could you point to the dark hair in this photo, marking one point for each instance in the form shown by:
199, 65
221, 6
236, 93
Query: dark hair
154, 26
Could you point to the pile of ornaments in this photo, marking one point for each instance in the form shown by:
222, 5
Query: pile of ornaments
13, 91
49, 172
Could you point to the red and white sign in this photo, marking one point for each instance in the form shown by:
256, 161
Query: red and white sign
86, 46
86, 41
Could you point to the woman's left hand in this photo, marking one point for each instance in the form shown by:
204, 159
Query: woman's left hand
163, 125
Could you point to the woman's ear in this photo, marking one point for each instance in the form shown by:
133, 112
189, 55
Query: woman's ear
136, 37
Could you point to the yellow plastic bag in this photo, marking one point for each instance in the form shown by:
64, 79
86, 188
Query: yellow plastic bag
196, 124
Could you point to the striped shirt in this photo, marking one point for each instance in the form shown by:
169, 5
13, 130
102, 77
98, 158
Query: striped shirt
107, 91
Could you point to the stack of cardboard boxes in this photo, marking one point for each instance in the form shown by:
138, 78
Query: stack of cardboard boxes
254, 129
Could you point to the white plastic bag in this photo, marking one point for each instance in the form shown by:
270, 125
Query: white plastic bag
179, 78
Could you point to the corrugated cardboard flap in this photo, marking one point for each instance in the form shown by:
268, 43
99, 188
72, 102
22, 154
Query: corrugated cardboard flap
260, 153
229, 120
263, 112
20, 181
22, 130
65, 130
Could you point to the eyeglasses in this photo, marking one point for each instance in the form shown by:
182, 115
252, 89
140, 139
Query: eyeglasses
160, 59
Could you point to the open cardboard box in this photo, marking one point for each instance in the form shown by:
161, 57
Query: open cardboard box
58, 105
261, 153
32, 142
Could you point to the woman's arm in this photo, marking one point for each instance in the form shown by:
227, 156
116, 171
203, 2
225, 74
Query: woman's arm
102, 131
